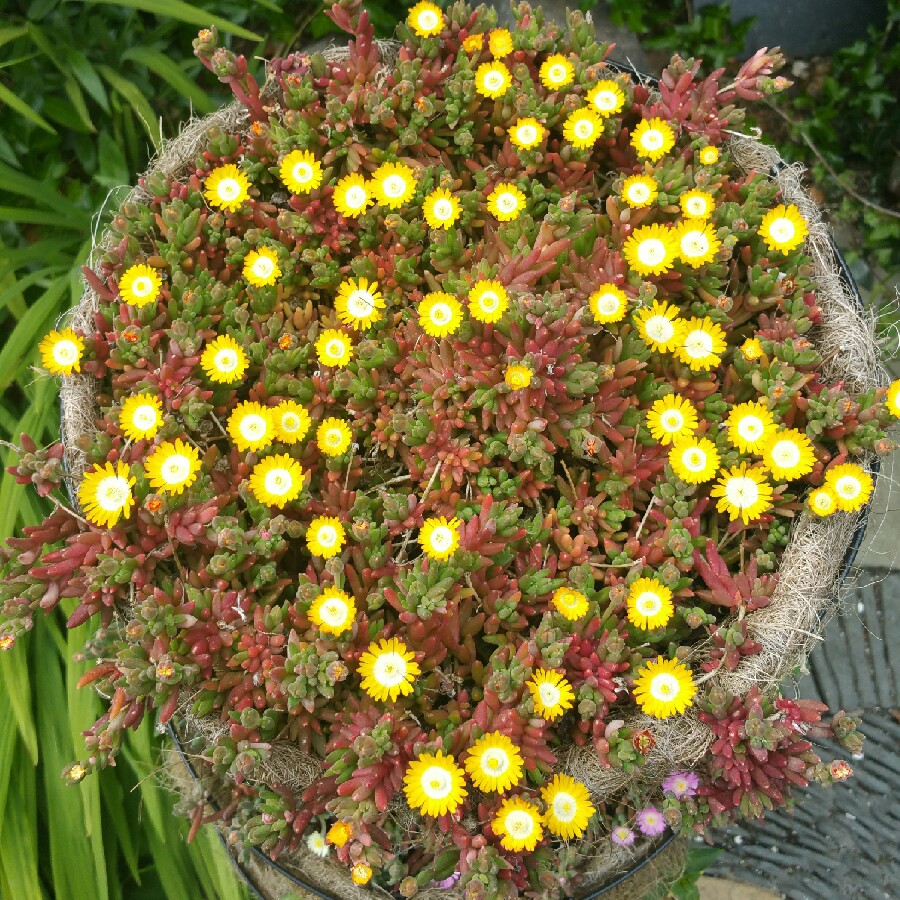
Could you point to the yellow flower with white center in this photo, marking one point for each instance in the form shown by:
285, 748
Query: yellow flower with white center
352, 195
743, 493
660, 326
639, 191
500, 42
393, 184
439, 538
749, 426
473, 43
526, 133
223, 360
358, 302
788, 454
851, 484
709, 156
141, 417
361, 873
556, 72
333, 611
569, 807
277, 480
649, 604
664, 687
105, 494
822, 501
227, 187
334, 348
61, 352
388, 670
608, 304
494, 763
570, 603
488, 301
426, 19
671, 417
441, 209
606, 97
300, 172
518, 378
440, 314
752, 348
697, 204
434, 784
697, 243
651, 249
583, 127
551, 693
892, 399
140, 285
292, 422
506, 201
325, 537
652, 139
518, 825
333, 436
694, 459
783, 228
339, 833
492, 79
701, 345
315, 843
261, 267
172, 466
251, 426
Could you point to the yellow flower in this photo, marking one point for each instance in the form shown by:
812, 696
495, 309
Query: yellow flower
506, 201
500, 42
664, 687
651, 249
744, 493
583, 127
639, 191
606, 97
851, 484
440, 314
749, 426
702, 343
649, 604
526, 133
358, 302
441, 209
172, 466
518, 377
660, 326
105, 494
697, 204
694, 459
434, 784
388, 670
518, 824
261, 267
251, 426
571, 603
492, 79
494, 763
822, 501
300, 171
352, 196
325, 537
789, 454
608, 304
227, 187
339, 834
276, 480
697, 243
569, 807
361, 873
473, 42
292, 422
752, 348
892, 399
671, 417
141, 417
334, 348
333, 436
393, 184
140, 285
61, 352
551, 693
651, 139
709, 155
556, 72
783, 228
488, 301
426, 19
333, 611
223, 361
439, 538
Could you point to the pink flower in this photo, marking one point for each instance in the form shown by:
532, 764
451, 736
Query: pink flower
650, 821
449, 881
681, 784
622, 835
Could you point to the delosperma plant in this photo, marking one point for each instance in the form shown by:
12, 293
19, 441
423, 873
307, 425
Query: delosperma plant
452, 407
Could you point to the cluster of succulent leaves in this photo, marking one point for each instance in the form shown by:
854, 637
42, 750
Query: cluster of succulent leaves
203, 598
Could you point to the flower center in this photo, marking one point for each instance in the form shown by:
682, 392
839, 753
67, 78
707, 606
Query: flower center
394, 186
742, 492
494, 80
519, 824
113, 493
334, 612
694, 243
605, 101
848, 487
65, 353
437, 782
142, 286
489, 301
428, 19
660, 329
229, 188
671, 420
564, 807
253, 427
696, 206
495, 761
226, 360
698, 344
441, 314
608, 304
694, 459
327, 536
390, 670
263, 267
144, 417
664, 686
356, 197
782, 230
651, 252
442, 538
786, 454
302, 172
751, 428
443, 209
652, 139
335, 349
360, 303
290, 422
648, 603
527, 134
557, 73
507, 202
175, 469
549, 693
639, 193
584, 128
279, 482
334, 437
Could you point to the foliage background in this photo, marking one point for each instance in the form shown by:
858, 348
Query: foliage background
88, 89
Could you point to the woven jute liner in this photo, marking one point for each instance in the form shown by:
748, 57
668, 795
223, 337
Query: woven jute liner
805, 597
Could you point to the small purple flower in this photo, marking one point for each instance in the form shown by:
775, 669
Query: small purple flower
449, 881
681, 784
650, 821
622, 835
